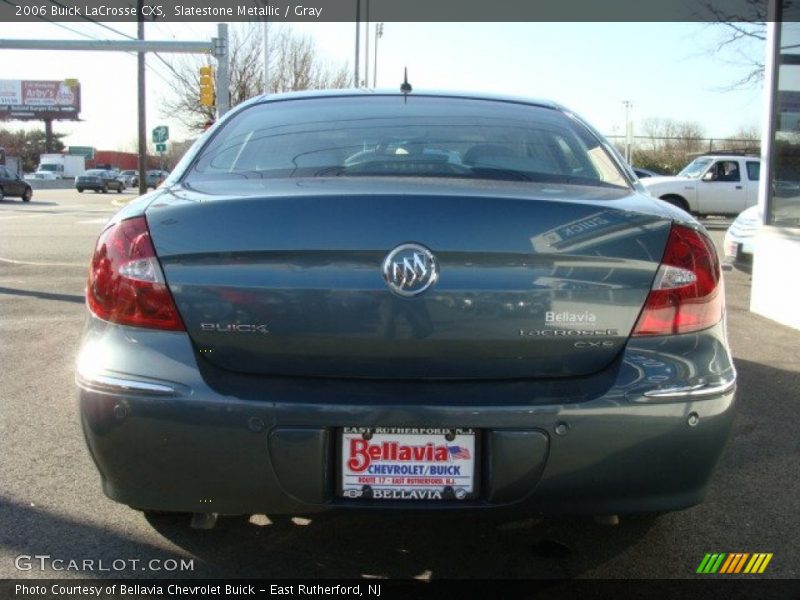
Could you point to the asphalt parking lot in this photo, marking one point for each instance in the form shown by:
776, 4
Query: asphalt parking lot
51, 502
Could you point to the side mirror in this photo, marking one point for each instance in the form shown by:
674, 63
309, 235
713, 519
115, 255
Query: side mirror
710, 176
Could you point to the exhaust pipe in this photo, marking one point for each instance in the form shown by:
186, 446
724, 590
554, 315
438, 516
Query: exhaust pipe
204, 520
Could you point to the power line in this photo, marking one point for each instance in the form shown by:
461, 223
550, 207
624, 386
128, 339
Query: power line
156, 54
62, 26
57, 24
90, 20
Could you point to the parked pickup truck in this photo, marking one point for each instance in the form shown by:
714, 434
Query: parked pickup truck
718, 184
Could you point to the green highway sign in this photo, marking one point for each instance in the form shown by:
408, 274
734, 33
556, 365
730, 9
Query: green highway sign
161, 147
85, 151
160, 134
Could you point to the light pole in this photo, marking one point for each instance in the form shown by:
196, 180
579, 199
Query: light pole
358, 39
141, 104
378, 35
366, 46
628, 130
266, 57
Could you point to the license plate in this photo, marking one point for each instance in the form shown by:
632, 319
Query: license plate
407, 463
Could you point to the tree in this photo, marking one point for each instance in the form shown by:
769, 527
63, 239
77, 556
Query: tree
669, 144
295, 64
740, 36
28, 145
745, 138
740, 39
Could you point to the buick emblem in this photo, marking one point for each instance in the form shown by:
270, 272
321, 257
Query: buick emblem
410, 269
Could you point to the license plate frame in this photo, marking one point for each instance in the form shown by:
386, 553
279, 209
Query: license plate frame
419, 483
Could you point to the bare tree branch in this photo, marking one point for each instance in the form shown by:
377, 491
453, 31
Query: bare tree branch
747, 30
295, 64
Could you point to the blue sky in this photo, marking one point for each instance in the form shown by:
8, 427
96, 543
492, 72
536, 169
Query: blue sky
667, 70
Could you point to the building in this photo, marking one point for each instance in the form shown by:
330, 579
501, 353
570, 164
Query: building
776, 285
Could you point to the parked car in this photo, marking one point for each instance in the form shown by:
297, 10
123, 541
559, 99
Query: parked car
739, 242
374, 301
642, 173
130, 177
12, 184
717, 184
42, 175
99, 180
155, 178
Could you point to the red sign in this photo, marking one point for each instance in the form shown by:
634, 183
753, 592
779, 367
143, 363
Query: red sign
35, 100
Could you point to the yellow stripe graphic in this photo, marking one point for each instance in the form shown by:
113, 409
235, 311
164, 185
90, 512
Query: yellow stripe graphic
753, 564
765, 563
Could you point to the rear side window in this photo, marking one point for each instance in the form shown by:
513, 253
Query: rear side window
418, 136
753, 170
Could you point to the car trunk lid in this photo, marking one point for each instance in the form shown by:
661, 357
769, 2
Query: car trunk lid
543, 284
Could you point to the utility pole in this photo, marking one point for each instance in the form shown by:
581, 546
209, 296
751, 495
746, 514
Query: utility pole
628, 130
266, 57
366, 48
378, 35
48, 135
217, 46
221, 54
140, 57
358, 39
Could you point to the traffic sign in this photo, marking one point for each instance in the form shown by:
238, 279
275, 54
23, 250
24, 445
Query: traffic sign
161, 147
85, 151
160, 134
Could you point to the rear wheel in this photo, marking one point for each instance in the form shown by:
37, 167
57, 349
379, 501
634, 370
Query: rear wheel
165, 518
105, 188
80, 190
676, 201
27, 194
120, 188
2, 195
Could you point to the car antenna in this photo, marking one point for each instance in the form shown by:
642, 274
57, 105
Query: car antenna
405, 87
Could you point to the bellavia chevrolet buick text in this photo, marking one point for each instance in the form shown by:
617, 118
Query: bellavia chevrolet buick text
360, 300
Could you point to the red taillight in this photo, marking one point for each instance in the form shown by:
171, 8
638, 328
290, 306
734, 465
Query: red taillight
126, 285
687, 294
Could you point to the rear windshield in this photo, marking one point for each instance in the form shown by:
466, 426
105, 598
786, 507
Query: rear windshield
95, 172
393, 136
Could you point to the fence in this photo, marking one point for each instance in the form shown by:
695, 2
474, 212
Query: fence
669, 155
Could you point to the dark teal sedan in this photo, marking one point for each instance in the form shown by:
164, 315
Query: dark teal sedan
362, 300
99, 180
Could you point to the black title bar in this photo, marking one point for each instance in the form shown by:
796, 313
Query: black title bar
386, 10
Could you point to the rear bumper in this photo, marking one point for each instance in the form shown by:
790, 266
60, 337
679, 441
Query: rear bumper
186, 442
